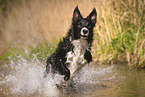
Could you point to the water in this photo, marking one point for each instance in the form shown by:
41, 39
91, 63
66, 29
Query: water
24, 78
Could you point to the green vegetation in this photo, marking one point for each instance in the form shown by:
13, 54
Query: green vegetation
40, 51
121, 33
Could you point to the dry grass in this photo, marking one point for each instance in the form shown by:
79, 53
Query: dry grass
119, 32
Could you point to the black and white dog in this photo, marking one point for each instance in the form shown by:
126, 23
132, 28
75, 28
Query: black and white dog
73, 52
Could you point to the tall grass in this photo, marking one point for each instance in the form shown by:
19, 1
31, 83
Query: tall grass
119, 32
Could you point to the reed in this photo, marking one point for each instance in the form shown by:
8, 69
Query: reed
119, 32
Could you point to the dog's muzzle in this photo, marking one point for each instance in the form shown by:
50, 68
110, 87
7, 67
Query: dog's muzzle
84, 33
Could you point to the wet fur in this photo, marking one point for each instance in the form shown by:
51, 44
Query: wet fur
73, 52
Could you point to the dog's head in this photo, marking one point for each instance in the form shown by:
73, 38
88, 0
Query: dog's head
83, 27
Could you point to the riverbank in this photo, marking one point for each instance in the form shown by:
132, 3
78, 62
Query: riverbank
119, 32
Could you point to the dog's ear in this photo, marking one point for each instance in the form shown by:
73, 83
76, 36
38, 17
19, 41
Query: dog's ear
76, 14
93, 16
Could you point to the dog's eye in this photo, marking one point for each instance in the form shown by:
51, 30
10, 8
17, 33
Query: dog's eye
88, 25
80, 25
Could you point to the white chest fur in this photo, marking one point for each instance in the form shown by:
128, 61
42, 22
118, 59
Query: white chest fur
76, 58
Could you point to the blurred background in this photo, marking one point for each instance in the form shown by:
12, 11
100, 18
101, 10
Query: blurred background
31, 29
119, 32
31, 21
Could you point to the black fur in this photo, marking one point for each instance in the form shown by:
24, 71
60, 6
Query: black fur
81, 28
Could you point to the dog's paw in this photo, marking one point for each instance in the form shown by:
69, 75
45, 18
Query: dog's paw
67, 75
66, 78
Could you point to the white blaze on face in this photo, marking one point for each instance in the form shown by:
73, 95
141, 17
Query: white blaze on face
76, 59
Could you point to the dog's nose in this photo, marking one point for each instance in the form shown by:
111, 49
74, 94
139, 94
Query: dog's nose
85, 31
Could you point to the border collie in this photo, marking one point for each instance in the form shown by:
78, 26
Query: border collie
73, 52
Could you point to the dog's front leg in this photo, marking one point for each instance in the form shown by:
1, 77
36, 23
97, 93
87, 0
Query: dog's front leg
88, 56
66, 72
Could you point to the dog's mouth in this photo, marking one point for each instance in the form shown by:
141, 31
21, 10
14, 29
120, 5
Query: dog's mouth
84, 37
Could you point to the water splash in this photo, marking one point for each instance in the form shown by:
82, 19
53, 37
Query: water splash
24, 77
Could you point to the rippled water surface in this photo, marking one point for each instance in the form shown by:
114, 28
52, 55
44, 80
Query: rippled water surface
24, 78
